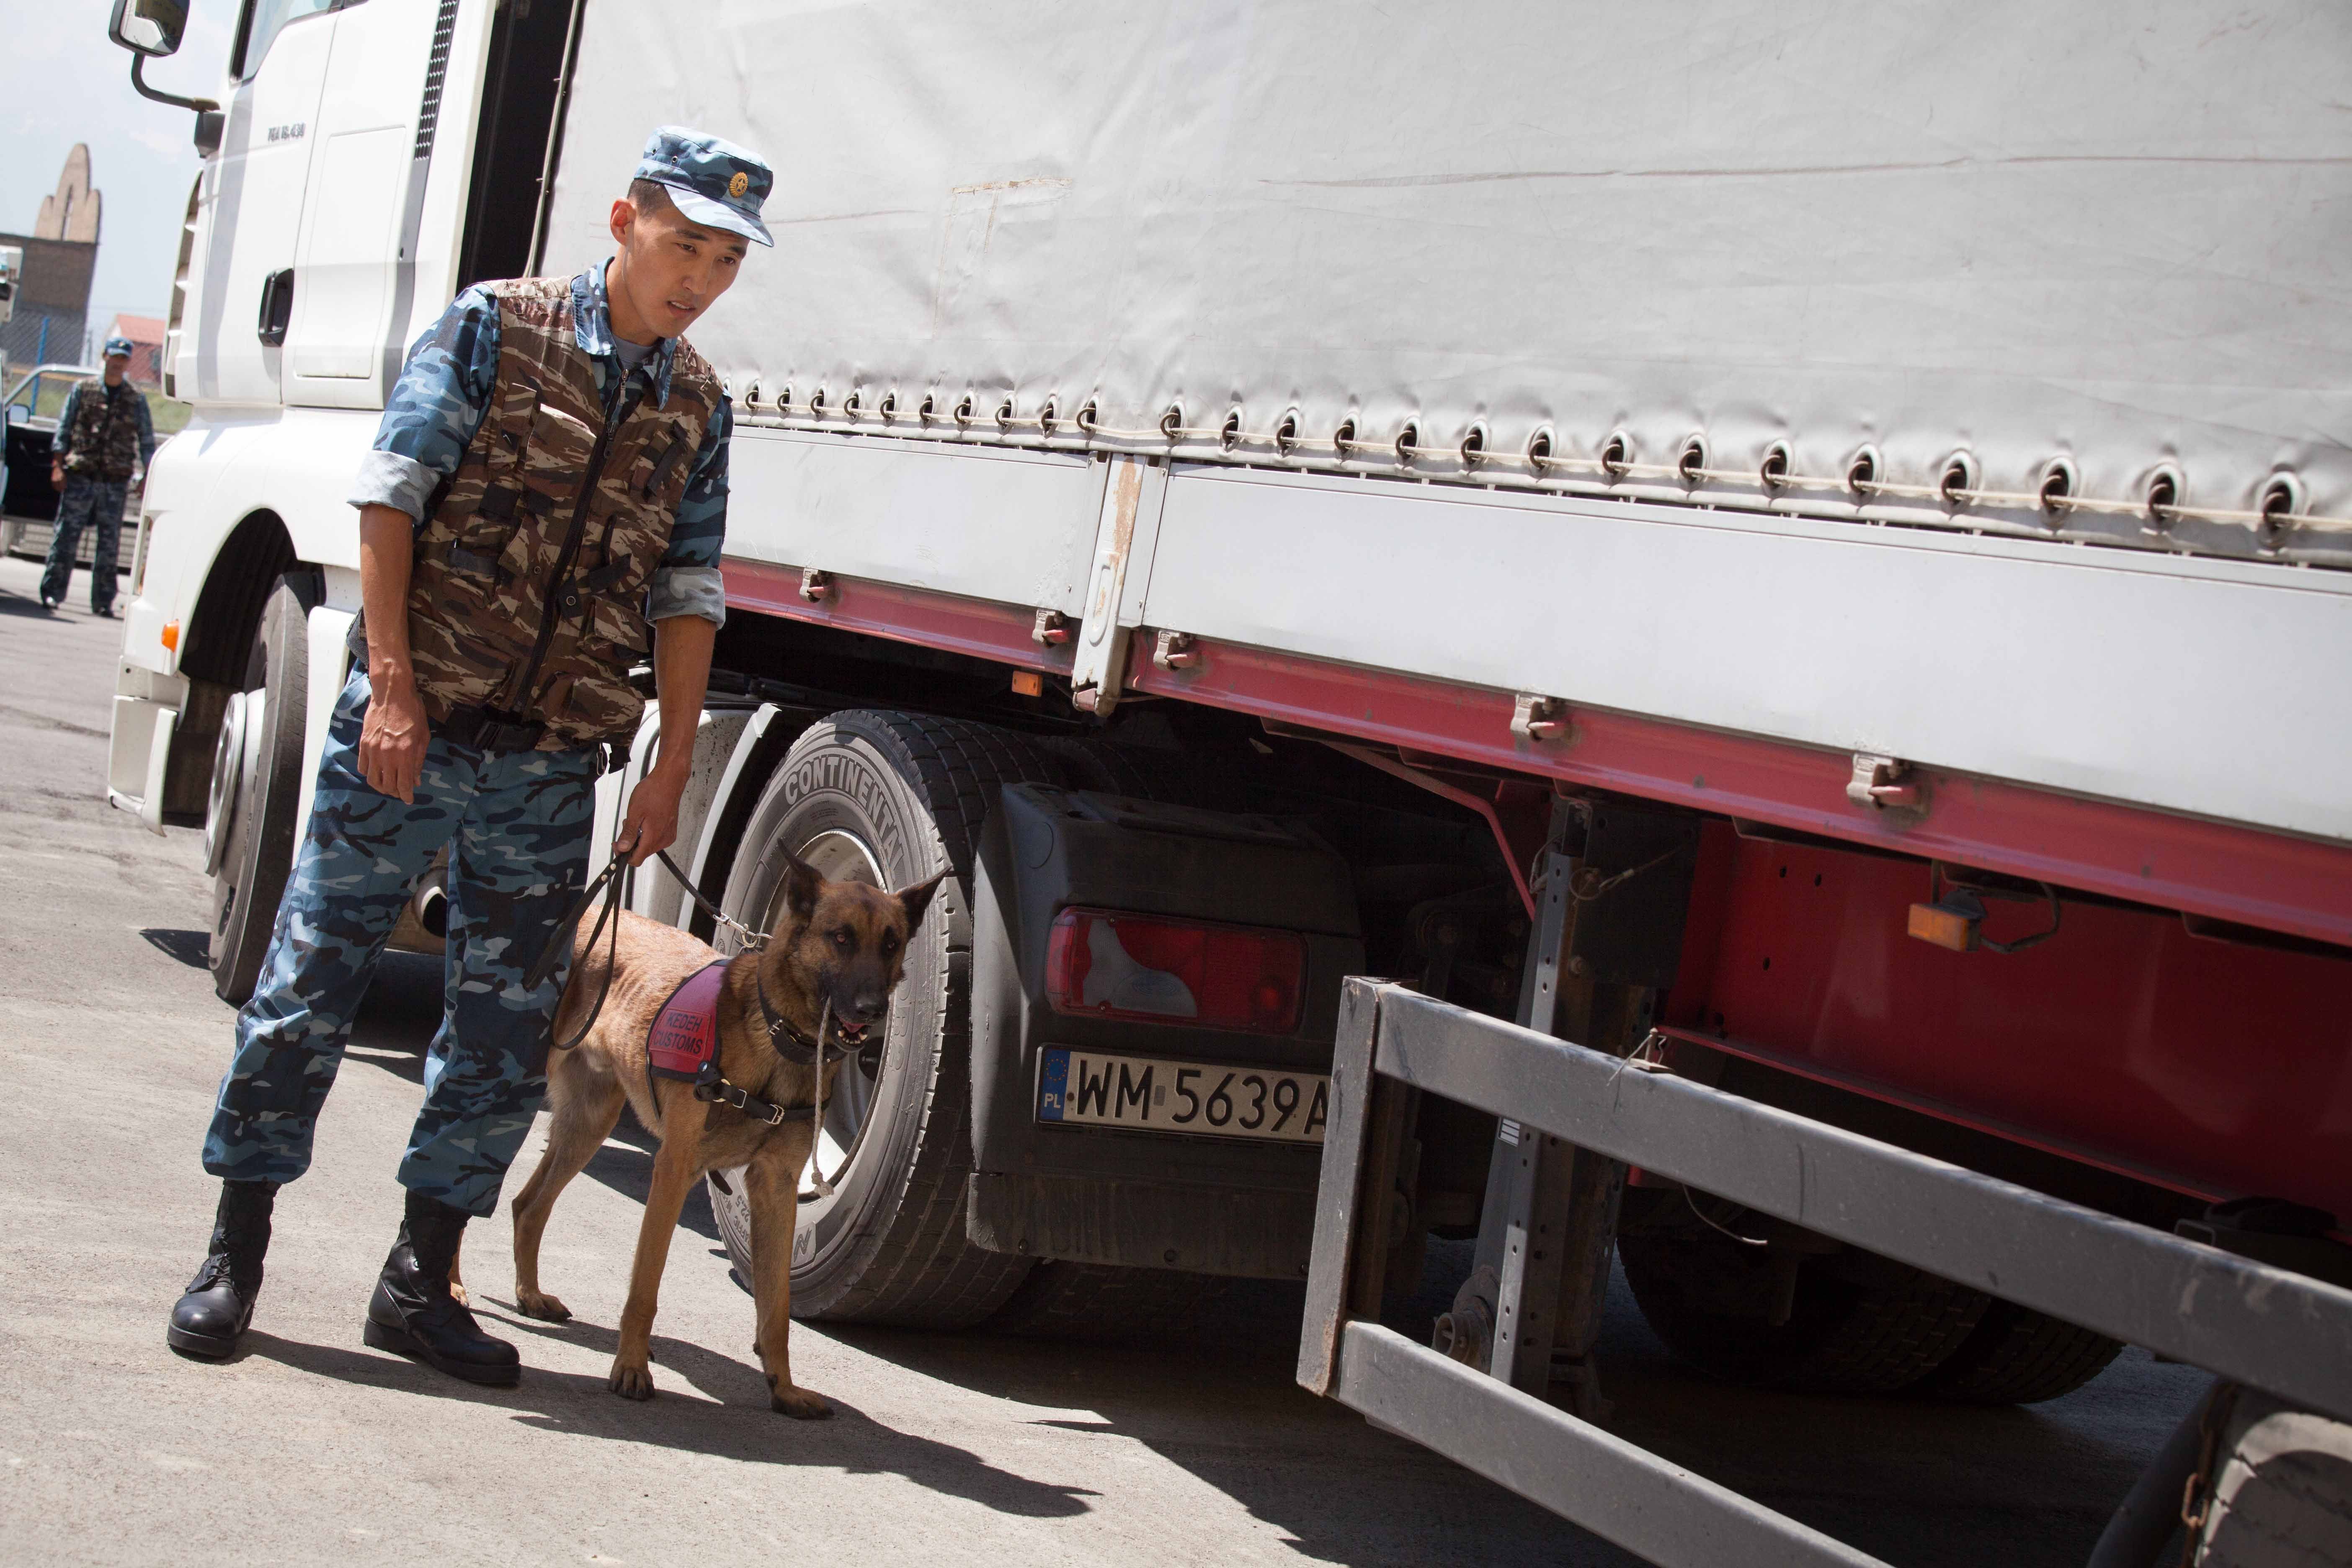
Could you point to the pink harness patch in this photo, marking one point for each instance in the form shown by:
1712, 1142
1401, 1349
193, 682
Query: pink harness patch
684, 1041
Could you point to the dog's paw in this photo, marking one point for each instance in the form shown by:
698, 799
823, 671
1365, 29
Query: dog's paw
798, 1403
631, 1381
457, 1294
539, 1304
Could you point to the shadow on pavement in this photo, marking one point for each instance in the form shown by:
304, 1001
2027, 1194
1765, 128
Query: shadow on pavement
193, 948
739, 1425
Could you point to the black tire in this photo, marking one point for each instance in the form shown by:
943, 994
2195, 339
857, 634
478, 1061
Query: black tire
1102, 767
2016, 1355
911, 793
1859, 1325
257, 855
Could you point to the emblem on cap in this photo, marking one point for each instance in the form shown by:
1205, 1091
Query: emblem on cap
711, 181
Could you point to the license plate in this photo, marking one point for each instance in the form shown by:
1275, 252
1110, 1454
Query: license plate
1153, 1094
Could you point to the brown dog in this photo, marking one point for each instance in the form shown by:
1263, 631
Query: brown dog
841, 942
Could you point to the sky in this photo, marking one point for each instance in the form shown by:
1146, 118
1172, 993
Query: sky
61, 81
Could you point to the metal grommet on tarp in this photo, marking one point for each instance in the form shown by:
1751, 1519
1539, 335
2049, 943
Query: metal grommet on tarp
2061, 483
1691, 464
2281, 502
1616, 454
1861, 470
1957, 482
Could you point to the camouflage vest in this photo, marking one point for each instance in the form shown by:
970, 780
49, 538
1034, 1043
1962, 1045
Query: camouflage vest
529, 588
105, 436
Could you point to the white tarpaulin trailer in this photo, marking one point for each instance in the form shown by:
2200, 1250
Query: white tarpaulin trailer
1692, 294
2112, 236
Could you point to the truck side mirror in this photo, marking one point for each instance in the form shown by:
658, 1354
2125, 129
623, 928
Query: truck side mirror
149, 27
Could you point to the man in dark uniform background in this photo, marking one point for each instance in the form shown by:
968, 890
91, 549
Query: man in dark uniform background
105, 435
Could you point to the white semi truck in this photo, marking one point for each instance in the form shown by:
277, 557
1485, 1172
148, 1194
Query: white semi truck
1781, 573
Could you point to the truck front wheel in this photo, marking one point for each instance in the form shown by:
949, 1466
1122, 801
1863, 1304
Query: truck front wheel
250, 817
890, 799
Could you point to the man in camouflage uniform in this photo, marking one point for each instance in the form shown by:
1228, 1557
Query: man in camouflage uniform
550, 478
104, 434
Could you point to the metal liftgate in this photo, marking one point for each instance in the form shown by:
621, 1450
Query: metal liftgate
2272, 1330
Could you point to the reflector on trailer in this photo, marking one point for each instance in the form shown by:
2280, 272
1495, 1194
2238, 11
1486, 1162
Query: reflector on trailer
1108, 965
1951, 923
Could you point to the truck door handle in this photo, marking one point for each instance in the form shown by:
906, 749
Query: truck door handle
276, 307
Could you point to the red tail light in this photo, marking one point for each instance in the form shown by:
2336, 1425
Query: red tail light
1105, 964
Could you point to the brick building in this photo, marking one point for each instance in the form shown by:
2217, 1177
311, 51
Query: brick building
52, 314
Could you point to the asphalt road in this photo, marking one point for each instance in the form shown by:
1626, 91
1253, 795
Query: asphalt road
946, 1448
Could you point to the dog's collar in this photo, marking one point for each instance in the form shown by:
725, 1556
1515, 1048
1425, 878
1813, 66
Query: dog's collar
788, 1039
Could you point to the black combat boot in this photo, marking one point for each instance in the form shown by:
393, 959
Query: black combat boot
219, 1303
413, 1313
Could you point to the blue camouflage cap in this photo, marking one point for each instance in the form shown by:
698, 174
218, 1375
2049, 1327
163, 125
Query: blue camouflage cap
712, 181
118, 346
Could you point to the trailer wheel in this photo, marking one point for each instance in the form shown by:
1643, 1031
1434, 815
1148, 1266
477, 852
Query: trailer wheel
1872, 1329
249, 821
2016, 1355
890, 799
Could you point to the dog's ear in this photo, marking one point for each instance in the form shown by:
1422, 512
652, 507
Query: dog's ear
918, 899
802, 886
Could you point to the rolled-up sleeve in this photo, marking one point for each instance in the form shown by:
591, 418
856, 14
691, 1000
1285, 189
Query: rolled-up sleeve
687, 582
434, 409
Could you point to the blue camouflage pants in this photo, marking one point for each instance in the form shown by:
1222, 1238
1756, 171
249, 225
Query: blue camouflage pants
86, 501
516, 825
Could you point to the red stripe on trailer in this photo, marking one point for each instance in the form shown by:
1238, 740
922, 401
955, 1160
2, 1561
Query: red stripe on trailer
980, 627
2299, 886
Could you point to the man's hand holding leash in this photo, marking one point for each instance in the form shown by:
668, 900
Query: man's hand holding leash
682, 646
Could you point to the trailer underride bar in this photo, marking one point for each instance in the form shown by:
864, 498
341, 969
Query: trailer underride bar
2274, 1330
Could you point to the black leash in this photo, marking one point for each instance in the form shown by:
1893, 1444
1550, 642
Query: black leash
613, 882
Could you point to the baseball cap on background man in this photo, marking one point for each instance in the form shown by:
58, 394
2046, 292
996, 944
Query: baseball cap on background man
711, 181
118, 346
